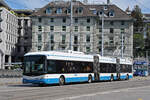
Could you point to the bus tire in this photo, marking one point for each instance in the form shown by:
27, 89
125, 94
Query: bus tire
112, 78
61, 80
127, 77
90, 79
41, 85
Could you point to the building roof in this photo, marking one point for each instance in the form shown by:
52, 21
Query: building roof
147, 15
3, 4
146, 18
87, 10
23, 11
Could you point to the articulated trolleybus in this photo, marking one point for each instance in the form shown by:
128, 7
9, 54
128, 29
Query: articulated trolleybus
53, 67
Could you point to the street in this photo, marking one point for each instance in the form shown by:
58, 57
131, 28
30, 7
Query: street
134, 89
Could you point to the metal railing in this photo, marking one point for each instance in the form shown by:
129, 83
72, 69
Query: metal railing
10, 73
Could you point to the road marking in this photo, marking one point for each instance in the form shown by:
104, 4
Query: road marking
140, 99
101, 93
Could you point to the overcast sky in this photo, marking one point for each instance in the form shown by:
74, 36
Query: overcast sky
123, 4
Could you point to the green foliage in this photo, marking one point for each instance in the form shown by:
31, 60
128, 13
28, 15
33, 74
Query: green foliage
138, 44
138, 16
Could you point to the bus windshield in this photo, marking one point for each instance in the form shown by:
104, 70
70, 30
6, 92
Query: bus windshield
34, 65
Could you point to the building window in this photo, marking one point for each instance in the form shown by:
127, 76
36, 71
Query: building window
100, 29
122, 22
68, 10
100, 40
63, 28
39, 38
52, 47
48, 11
25, 49
40, 20
26, 22
100, 13
19, 22
111, 30
122, 39
79, 10
111, 40
52, 19
64, 20
59, 11
111, 13
122, 30
18, 48
111, 23
76, 20
87, 38
94, 12
75, 39
39, 28
100, 22
63, 47
63, 39
52, 38
75, 48
87, 49
76, 28
105, 7
88, 20
39, 48
88, 28
51, 28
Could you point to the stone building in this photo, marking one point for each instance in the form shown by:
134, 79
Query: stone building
51, 28
24, 33
8, 36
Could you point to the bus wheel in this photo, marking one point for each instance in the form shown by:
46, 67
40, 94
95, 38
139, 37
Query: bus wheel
127, 77
90, 79
61, 80
112, 78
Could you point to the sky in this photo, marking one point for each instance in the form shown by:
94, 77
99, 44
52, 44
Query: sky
123, 4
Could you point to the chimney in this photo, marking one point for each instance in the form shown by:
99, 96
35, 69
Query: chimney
108, 2
85, 1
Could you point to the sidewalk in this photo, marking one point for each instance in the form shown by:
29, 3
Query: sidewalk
8, 81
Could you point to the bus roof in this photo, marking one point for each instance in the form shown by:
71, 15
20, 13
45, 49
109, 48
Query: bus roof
77, 56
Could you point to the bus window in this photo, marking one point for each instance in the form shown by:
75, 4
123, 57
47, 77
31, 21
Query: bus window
51, 66
27, 67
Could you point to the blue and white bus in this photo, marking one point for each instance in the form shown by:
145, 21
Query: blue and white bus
53, 67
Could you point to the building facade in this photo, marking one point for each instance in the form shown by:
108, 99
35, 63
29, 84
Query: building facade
8, 36
51, 28
24, 33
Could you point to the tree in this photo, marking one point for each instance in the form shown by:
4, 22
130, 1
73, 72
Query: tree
138, 45
138, 16
138, 35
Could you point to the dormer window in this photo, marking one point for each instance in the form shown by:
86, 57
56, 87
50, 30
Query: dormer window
79, 10
48, 11
111, 13
59, 11
94, 12
100, 13
105, 7
68, 11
